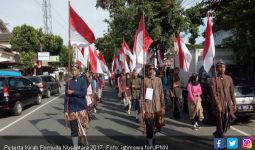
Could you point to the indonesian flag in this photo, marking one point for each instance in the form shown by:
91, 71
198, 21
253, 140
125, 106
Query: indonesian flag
160, 56
209, 49
123, 59
128, 52
94, 62
115, 64
103, 63
80, 57
142, 43
184, 55
80, 33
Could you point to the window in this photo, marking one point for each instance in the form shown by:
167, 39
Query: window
12, 82
23, 83
53, 79
2, 83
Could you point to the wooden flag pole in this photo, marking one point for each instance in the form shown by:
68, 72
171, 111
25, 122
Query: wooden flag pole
69, 64
144, 78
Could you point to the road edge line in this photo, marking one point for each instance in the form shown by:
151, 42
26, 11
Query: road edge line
11, 124
240, 131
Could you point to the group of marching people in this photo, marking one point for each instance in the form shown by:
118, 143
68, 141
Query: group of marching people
150, 95
128, 87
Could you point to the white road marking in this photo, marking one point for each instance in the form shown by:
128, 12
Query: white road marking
243, 133
4, 128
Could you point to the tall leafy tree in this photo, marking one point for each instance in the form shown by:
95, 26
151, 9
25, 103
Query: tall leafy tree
25, 38
28, 41
63, 56
195, 15
27, 59
52, 43
236, 15
163, 19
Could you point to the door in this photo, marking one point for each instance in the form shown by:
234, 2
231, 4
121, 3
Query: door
54, 85
16, 91
29, 92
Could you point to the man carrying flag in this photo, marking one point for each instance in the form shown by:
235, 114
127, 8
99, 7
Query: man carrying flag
75, 102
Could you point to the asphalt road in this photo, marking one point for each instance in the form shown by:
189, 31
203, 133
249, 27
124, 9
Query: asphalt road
111, 124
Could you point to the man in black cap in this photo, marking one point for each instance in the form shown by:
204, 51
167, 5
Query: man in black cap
152, 104
75, 104
223, 98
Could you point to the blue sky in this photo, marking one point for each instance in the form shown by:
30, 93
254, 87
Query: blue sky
18, 12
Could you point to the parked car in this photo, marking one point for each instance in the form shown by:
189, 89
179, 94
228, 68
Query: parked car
244, 88
17, 92
48, 85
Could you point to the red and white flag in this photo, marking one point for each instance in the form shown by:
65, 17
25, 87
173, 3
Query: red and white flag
209, 48
80, 59
115, 64
103, 63
160, 56
80, 32
123, 60
127, 50
94, 62
142, 43
184, 55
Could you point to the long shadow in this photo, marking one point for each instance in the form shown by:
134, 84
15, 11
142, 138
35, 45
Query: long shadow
114, 137
181, 139
49, 137
61, 109
22, 141
180, 143
56, 139
177, 124
124, 123
126, 117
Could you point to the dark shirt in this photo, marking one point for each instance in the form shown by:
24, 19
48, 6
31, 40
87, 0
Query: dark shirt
77, 101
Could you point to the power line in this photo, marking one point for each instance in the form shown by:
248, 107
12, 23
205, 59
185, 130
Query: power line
53, 18
190, 3
59, 14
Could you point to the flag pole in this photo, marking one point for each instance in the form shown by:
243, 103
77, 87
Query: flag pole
69, 63
144, 74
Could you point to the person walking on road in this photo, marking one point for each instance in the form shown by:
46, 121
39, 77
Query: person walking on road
152, 105
136, 84
176, 91
75, 105
100, 86
128, 93
122, 87
94, 88
223, 98
194, 101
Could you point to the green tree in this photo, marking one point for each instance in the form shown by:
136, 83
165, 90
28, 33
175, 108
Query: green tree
163, 19
27, 59
52, 43
25, 38
235, 15
63, 56
195, 15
